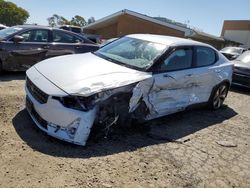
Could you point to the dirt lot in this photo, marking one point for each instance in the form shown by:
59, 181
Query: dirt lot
188, 149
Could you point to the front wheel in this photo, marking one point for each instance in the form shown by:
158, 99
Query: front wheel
218, 96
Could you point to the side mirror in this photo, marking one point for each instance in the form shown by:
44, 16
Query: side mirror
78, 41
18, 38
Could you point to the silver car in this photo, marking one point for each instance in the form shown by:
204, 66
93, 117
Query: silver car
137, 77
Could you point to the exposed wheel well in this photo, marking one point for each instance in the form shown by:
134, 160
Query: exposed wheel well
227, 82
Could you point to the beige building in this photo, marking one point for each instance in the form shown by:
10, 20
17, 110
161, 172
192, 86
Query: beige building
128, 22
237, 30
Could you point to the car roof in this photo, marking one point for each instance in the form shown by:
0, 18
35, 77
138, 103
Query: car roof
72, 26
33, 26
50, 28
167, 40
40, 27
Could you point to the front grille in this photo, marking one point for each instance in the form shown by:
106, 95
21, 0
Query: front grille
38, 94
39, 119
43, 123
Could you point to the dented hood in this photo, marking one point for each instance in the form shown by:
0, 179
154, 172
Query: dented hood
87, 74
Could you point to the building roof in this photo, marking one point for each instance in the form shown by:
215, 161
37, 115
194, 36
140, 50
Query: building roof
202, 35
114, 17
167, 40
189, 32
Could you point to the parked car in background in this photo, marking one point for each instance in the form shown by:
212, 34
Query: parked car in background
76, 29
241, 74
23, 46
105, 42
232, 53
2, 26
94, 38
139, 77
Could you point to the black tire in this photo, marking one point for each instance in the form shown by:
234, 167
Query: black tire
218, 96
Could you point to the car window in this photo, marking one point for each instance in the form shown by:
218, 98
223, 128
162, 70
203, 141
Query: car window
205, 56
132, 52
35, 36
179, 59
59, 36
9, 31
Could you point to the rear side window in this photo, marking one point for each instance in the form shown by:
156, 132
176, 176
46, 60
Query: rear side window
178, 60
59, 36
205, 56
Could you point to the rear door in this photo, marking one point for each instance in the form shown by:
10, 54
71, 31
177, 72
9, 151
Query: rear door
31, 50
63, 43
207, 74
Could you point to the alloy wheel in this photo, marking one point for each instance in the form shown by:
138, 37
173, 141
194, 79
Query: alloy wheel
220, 96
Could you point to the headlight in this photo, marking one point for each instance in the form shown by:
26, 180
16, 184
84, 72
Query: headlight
85, 103
77, 103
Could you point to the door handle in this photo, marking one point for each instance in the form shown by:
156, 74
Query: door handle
218, 70
168, 76
46, 47
78, 47
188, 75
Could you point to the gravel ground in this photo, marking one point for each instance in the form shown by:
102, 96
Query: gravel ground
196, 148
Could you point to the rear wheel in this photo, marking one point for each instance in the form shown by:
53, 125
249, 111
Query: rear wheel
218, 96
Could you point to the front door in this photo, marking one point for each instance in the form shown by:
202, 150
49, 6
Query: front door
28, 52
64, 43
174, 85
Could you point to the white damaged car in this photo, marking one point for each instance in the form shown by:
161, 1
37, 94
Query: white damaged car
139, 77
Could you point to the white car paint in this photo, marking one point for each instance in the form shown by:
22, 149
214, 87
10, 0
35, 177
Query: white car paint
88, 74
167, 95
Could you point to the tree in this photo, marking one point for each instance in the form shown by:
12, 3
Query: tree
91, 20
59, 20
11, 14
52, 21
78, 21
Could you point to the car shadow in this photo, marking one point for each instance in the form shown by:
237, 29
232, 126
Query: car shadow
9, 76
162, 130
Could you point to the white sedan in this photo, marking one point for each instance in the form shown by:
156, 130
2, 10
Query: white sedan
139, 77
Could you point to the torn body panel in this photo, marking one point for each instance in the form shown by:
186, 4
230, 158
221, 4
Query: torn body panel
72, 125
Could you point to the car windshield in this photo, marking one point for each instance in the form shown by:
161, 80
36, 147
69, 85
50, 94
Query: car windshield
245, 57
132, 52
231, 50
8, 31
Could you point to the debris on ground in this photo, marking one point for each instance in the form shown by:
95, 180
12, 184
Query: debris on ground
225, 143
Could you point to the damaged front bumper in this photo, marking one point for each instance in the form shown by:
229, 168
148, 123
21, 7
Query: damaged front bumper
60, 122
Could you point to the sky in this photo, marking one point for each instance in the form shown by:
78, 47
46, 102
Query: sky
206, 15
